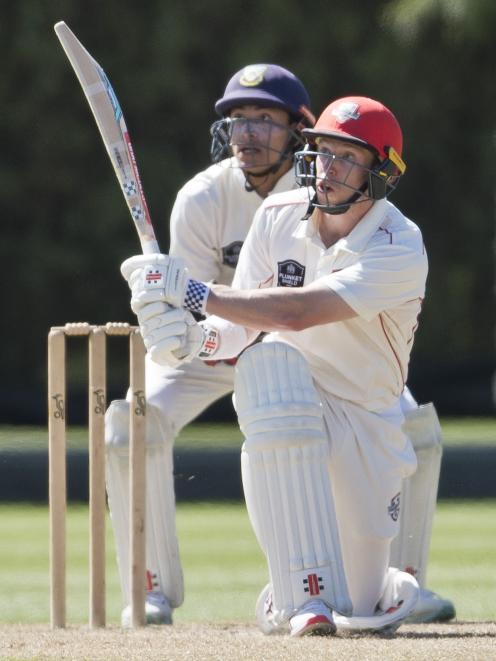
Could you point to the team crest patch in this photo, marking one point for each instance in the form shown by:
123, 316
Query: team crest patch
345, 111
253, 75
290, 274
230, 253
394, 507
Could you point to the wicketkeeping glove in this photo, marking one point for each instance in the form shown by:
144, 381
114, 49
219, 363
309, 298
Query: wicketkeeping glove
157, 277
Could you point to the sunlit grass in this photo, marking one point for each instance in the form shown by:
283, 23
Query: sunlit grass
223, 566
456, 432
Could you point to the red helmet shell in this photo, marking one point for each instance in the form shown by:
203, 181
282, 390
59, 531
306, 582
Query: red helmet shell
360, 120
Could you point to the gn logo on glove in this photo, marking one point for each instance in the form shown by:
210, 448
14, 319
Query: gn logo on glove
290, 274
154, 278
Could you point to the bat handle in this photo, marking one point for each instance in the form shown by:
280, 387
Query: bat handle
149, 246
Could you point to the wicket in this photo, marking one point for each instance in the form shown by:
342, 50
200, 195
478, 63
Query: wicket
97, 393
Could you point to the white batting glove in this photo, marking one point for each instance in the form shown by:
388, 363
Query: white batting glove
157, 277
172, 336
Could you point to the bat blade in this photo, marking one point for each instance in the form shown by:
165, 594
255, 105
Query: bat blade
110, 121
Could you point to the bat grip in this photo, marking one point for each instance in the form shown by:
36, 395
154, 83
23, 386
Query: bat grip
149, 246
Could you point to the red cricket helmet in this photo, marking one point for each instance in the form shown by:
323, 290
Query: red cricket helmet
361, 120
364, 122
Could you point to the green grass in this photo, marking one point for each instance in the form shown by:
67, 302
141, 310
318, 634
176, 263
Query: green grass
463, 557
456, 432
469, 431
223, 566
201, 436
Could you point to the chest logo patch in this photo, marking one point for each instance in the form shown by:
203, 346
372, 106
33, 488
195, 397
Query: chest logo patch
230, 253
290, 274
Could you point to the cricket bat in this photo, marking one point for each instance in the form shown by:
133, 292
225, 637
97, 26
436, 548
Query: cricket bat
110, 121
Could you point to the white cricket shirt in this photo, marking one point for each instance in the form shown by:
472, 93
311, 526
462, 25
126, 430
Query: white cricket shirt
211, 217
379, 269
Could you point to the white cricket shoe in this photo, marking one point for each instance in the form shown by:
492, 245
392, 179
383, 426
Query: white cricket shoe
313, 619
157, 609
396, 604
431, 607
265, 614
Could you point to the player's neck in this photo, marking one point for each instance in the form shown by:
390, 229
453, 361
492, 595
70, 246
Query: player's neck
333, 227
265, 184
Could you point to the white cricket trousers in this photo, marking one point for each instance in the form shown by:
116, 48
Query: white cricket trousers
181, 394
369, 457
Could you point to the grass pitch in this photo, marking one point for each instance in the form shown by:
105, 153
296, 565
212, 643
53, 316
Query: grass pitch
224, 571
223, 566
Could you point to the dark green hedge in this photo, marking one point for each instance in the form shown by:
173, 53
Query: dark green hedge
65, 228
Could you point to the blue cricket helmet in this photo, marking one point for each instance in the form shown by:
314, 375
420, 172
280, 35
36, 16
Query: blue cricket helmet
267, 85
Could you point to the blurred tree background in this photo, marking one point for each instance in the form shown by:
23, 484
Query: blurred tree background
65, 225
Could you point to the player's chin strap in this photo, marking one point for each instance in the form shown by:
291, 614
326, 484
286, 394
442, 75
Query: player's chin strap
250, 186
336, 209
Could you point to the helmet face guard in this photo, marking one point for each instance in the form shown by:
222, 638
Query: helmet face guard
378, 181
264, 86
230, 136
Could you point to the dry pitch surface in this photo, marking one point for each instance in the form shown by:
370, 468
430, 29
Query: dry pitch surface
460, 641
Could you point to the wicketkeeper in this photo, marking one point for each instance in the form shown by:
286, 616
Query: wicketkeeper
262, 111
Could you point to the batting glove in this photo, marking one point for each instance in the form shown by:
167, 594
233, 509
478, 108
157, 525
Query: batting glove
172, 336
154, 278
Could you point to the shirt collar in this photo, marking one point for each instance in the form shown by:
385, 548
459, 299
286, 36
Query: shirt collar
359, 236
363, 231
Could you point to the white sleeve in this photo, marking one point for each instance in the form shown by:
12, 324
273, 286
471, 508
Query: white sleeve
385, 277
192, 231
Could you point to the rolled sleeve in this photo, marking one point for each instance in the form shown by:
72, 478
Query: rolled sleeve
383, 279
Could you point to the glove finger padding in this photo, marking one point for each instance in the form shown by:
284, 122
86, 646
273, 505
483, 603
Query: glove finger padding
156, 335
163, 355
147, 297
165, 328
165, 345
151, 310
171, 336
131, 267
168, 317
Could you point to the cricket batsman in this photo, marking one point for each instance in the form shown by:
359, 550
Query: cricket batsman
263, 110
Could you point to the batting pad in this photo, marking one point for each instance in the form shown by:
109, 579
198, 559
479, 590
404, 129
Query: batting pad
410, 548
164, 571
284, 465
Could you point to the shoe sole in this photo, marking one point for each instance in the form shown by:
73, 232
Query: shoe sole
316, 626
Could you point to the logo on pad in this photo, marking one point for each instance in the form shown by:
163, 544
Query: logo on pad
394, 507
313, 584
